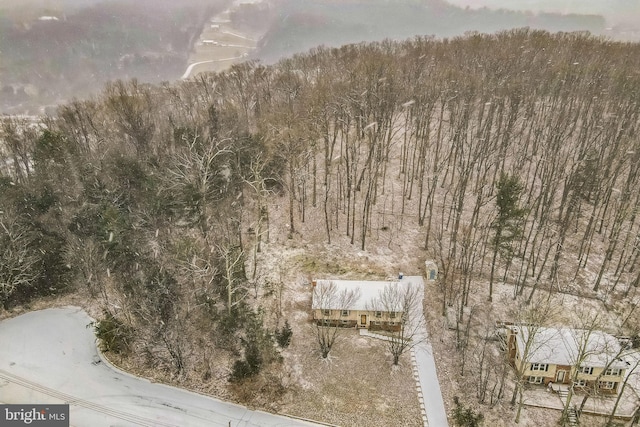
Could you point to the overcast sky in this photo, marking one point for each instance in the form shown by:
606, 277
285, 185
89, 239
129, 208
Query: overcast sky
615, 11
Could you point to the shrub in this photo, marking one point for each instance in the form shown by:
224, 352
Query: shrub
113, 334
465, 417
283, 336
241, 370
248, 367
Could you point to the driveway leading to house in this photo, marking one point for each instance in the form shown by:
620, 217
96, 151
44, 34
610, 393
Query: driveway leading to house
50, 356
426, 365
434, 405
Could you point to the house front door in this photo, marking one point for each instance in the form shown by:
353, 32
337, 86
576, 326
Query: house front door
363, 319
560, 376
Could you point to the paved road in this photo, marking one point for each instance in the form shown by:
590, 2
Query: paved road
187, 73
238, 35
50, 356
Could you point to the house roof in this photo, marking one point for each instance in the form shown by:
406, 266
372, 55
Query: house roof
366, 294
561, 346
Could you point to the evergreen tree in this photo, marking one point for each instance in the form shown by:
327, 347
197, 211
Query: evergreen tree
509, 223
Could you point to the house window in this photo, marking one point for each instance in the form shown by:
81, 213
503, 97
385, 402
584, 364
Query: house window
613, 371
586, 370
326, 312
344, 313
581, 383
539, 367
378, 314
345, 322
535, 380
608, 385
392, 314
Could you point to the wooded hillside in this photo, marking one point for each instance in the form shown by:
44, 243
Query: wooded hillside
515, 157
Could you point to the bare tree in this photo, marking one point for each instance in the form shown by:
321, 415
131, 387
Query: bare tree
491, 367
86, 257
200, 268
406, 300
131, 105
631, 372
19, 268
612, 355
584, 343
528, 338
17, 139
258, 183
329, 302
199, 178
233, 260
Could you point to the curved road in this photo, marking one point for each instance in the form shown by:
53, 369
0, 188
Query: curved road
187, 73
50, 356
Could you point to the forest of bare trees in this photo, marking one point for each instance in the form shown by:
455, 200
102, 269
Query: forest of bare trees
514, 155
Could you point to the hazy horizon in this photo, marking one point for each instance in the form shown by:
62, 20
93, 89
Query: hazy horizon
614, 11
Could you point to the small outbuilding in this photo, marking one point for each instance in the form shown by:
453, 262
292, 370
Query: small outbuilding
431, 270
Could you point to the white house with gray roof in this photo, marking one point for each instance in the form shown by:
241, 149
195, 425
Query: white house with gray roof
361, 304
